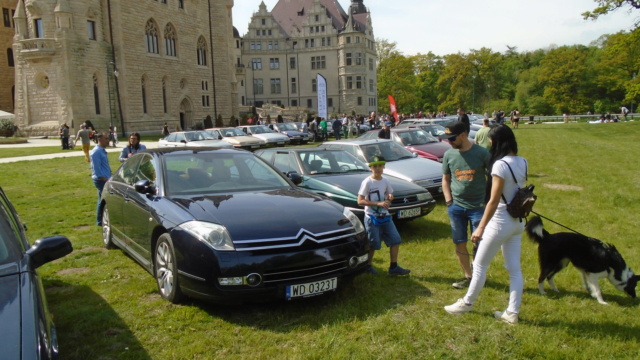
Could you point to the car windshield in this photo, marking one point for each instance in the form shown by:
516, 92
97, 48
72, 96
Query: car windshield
9, 245
331, 162
231, 132
207, 172
196, 136
288, 127
261, 130
416, 137
390, 150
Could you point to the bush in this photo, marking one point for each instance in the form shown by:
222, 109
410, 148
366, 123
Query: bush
6, 124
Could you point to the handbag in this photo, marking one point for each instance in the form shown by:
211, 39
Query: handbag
378, 220
523, 201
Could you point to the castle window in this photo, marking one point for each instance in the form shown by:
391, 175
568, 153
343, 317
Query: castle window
170, 40
202, 51
330, 102
348, 58
6, 17
256, 64
274, 63
371, 64
349, 82
151, 36
292, 62
180, 4
96, 95
309, 103
314, 85
10, 57
318, 62
258, 86
358, 58
276, 88
294, 86
91, 29
37, 26
143, 87
358, 82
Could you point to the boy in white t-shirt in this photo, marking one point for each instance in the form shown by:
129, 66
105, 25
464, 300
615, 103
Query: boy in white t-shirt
376, 195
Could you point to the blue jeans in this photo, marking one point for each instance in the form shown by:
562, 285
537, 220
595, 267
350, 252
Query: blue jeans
460, 219
376, 233
99, 185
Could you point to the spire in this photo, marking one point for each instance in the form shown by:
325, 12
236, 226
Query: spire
357, 7
63, 15
20, 19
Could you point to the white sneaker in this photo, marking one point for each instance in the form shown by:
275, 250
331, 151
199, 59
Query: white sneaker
459, 307
506, 317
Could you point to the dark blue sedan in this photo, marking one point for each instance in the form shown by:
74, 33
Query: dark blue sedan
224, 225
26, 326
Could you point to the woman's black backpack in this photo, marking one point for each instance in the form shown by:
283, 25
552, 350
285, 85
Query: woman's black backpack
522, 203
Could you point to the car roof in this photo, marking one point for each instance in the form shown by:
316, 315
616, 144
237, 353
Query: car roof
299, 149
358, 141
188, 149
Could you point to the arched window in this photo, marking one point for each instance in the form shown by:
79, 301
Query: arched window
10, 56
202, 51
143, 85
96, 94
170, 40
151, 35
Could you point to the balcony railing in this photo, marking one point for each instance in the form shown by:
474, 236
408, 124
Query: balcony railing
37, 48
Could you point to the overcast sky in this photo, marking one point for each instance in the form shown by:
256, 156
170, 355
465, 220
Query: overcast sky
451, 26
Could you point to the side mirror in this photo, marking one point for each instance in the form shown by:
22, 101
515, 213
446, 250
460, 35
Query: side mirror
47, 249
145, 187
415, 154
294, 177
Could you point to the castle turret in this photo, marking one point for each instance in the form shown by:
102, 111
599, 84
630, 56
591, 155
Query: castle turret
20, 20
63, 15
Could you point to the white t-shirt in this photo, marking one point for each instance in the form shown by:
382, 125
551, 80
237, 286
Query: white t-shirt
375, 190
519, 166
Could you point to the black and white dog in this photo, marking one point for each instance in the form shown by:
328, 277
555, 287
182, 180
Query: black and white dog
593, 258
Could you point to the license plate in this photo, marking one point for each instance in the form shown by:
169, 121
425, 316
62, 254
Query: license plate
312, 288
408, 213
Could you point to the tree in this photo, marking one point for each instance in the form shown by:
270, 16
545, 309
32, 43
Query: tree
396, 77
607, 6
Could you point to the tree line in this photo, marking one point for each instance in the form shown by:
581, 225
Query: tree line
577, 79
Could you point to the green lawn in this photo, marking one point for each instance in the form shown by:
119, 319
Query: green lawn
586, 177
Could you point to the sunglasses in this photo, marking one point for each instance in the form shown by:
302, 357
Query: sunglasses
452, 139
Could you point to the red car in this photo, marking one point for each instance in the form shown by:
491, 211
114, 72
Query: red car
415, 140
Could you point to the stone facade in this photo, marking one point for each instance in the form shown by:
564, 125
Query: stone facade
284, 49
6, 55
131, 64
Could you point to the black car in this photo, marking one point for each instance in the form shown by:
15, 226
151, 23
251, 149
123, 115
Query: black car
291, 130
224, 225
338, 175
26, 326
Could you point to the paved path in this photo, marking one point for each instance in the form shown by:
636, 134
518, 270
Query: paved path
37, 142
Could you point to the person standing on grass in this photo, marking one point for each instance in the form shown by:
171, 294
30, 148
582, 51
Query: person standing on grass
464, 177
133, 147
100, 169
376, 195
83, 135
497, 229
482, 135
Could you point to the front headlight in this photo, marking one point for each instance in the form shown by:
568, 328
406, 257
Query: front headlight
213, 235
424, 197
357, 224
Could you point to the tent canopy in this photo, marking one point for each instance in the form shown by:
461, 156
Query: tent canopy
7, 115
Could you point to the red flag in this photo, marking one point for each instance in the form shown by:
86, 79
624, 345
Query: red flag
394, 110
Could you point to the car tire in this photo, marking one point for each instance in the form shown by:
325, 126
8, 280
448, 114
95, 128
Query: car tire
165, 270
107, 235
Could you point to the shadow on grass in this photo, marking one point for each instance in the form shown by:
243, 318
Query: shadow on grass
101, 327
611, 298
365, 297
595, 330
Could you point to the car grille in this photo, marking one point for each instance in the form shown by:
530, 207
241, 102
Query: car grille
297, 241
403, 200
302, 273
429, 183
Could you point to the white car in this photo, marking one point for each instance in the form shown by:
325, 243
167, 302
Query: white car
237, 138
193, 139
262, 132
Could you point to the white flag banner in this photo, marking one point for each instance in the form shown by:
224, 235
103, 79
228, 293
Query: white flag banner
322, 96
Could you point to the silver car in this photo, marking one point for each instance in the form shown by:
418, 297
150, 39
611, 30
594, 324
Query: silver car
401, 163
193, 139
265, 134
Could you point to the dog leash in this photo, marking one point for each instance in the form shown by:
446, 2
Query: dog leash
557, 223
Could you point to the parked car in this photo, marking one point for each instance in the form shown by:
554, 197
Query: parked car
192, 138
415, 140
26, 326
224, 225
400, 162
434, 129
337, 175
262, 132
291, 130
236, 137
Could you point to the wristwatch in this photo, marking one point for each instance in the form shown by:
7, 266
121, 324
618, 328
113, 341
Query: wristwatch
449, 203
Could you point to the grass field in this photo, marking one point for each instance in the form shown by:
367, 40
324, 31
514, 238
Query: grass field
587, 177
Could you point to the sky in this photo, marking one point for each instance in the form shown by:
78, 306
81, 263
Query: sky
451, 26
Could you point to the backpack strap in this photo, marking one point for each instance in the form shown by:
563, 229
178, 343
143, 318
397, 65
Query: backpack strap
514, 176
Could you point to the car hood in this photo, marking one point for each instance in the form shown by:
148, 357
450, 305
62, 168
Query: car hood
293, 133
243, 140
10, 330
435, 148
295, 210
272, 136
414, 169
349, 184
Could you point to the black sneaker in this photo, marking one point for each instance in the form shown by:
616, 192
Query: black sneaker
462, 283
399, 271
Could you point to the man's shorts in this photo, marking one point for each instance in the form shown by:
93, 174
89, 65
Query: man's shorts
460, 219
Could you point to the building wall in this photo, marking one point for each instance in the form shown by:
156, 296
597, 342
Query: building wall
6, 52
80, 67
304, 45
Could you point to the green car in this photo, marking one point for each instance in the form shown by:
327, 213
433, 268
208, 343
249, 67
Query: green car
337, 175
